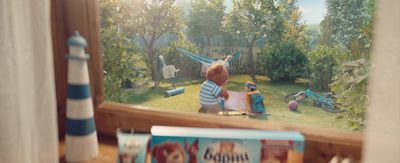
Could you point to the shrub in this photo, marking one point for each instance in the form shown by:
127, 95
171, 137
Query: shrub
322, 63
284, 62
350, 87
122, 63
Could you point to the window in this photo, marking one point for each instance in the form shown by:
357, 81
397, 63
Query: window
320, 143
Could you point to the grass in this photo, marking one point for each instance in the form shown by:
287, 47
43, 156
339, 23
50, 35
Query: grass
307, 114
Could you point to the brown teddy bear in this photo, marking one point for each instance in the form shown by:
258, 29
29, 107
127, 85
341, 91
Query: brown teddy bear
211, 91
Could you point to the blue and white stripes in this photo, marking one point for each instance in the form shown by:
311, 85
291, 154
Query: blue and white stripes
81, 137
209, 93
174, 92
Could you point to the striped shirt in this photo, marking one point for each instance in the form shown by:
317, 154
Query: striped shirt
209, 93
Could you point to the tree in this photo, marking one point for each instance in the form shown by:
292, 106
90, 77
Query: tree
206, 20
312, 34
345, 19
284, 62
322, 62
291, 15
351, 80
326, 32
251, 20
151, 20
121, 58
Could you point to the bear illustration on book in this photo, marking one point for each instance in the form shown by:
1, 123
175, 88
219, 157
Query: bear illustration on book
169, 152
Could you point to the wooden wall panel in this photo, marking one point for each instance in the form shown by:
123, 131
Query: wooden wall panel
69, 16
60, 64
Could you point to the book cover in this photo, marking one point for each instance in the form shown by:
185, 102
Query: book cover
207, 145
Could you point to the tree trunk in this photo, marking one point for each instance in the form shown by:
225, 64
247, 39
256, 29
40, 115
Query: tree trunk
250, 61
209, 45
150, 61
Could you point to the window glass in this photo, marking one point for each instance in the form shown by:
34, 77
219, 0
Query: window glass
294, 61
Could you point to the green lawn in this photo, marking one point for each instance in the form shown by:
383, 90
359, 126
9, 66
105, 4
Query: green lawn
273, 93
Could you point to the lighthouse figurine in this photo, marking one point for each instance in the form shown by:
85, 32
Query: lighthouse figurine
81, 137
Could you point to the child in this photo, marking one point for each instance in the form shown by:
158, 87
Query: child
254, 99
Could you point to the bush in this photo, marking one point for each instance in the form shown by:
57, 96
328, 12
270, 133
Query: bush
284, 62
122, 62
350, 87
322, 62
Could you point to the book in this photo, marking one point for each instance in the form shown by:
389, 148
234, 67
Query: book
133, 147
236, 101
208, 145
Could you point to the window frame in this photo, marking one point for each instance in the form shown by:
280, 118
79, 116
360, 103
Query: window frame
68, 16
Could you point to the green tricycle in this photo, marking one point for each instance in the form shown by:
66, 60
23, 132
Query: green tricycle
325, 101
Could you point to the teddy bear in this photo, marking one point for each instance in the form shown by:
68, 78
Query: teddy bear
212, 91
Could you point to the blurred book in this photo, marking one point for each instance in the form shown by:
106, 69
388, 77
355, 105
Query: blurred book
236, 102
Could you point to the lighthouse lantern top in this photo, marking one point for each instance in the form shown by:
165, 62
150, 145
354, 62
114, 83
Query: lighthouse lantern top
77, 40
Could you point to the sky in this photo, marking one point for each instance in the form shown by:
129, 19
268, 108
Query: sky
313, 11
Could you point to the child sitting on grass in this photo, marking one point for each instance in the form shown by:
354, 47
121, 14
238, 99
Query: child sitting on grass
254, 99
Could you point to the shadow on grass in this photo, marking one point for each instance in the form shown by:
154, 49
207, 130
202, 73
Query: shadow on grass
296, 111
148, 92
143, 94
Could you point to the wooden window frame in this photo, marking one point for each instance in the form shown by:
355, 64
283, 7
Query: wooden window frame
68, 16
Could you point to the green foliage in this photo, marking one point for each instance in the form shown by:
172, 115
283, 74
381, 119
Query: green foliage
284, 62
349, 24
292, 27
151, 19
121, 59
250, 20
350, 86
206, 20
312, 34
345, 19
322, 61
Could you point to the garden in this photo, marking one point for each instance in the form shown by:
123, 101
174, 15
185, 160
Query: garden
279, 52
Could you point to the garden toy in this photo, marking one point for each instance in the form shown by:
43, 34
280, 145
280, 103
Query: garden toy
326, 102
254, 99
175, 91
211, 91
293, 105
81, 137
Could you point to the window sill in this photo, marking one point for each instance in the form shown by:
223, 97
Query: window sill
107, 151
320, 144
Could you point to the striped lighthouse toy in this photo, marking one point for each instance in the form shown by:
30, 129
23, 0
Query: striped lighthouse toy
81, 137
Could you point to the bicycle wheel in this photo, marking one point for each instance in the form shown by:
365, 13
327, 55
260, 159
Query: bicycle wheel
292, 96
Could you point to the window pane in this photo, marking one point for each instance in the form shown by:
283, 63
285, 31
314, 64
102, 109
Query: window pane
297, 61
